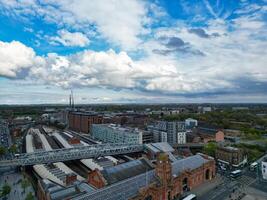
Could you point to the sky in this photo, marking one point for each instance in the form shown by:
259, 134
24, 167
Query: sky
133, 51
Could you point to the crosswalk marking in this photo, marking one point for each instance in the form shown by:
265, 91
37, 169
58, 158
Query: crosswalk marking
246, 180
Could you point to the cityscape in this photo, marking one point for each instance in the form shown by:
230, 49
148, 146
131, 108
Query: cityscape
133, 100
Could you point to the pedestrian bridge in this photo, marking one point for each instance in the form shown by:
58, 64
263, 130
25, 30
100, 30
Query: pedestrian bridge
76, 153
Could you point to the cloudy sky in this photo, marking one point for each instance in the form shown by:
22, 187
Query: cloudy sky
131, 51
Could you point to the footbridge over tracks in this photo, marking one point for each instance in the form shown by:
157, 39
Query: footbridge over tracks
60, 155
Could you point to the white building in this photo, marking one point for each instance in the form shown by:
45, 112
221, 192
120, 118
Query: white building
163, 136
190, 123
181, 137
264, 168
111, 133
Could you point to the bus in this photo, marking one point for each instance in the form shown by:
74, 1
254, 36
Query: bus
253, 166
190, 197
236, 173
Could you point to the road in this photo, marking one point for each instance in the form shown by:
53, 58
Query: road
229, 188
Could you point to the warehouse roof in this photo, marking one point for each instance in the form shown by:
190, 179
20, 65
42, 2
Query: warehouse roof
126, 170
190, 163
159, 147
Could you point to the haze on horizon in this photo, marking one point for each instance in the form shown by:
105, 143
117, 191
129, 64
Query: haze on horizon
133, 51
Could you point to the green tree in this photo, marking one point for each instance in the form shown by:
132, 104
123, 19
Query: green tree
210, 148
29, 196
2, 150
6, 189
13, 149
24, 184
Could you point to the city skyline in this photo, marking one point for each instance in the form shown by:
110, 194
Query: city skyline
133, 51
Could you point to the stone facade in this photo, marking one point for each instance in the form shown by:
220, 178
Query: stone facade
230, 156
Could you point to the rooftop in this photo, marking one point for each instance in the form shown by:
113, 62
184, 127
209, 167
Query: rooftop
126, 170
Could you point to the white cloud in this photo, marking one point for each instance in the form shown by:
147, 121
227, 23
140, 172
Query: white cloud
67, 38
120, 22
15, 56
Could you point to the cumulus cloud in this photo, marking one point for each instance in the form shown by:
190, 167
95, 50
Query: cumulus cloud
14, 57
67, 38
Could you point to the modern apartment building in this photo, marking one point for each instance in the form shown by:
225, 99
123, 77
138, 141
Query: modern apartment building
112, 133
181, 137
171, 129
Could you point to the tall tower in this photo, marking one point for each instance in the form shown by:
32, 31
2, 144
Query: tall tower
164, 168
70, 104
72, 100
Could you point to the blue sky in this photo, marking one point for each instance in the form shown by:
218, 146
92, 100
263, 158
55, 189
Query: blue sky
131, 51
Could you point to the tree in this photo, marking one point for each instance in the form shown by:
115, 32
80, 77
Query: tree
13, 149
6, 189
2, 150
210, 148
24, 184
29, 196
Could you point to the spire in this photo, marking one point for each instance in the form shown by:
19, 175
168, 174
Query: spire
72, 100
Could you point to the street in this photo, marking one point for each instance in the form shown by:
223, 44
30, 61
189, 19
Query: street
14, 181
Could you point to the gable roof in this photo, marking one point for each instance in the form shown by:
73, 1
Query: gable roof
190, 163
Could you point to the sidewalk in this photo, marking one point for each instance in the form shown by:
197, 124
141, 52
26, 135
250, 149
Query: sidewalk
205, 187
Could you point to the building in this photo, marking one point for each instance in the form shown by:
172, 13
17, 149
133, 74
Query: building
48, 190
181, 138
82, 121
139, 180
112, 175
264, 168
209, 134
190, 123
230, 157
147, 137
112, 133
128, 119
170, 128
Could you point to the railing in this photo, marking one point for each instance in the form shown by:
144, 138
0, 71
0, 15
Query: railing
83, 152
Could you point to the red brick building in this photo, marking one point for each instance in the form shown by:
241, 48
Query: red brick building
209, 134
82, 121
171, 180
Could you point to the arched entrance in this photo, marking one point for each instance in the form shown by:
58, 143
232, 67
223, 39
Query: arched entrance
207, 174
149, 197
185, 186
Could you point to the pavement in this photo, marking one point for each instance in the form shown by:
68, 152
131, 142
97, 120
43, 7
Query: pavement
13, 180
